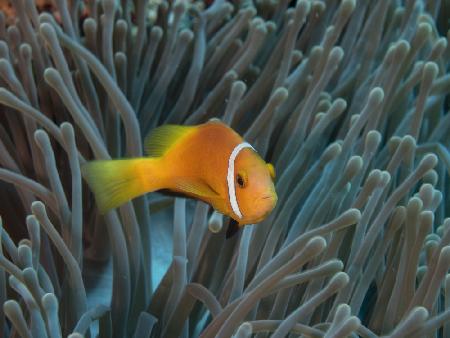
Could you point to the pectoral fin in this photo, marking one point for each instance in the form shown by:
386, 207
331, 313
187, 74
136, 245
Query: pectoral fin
271, 169
233, 228
196, 187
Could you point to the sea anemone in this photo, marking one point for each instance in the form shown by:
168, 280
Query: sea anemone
349, 100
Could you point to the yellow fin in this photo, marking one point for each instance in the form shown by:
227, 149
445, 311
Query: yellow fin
160, 139
196, 187
271, 170
115, 182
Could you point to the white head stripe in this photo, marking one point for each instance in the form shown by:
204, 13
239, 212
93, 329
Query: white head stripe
230, 176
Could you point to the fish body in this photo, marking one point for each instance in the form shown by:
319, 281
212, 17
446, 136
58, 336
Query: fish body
209, 162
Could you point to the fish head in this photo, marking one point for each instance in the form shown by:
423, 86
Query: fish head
255, 189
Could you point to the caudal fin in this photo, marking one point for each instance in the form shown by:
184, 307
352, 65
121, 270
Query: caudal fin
115, 182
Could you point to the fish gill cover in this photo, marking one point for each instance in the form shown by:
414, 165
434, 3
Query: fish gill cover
348, 99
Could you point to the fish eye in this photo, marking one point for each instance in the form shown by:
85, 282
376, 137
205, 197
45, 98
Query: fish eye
240, 181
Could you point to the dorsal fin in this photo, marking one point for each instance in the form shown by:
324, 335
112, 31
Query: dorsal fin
160, 139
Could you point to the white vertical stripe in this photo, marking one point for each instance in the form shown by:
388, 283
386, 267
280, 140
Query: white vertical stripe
230, 177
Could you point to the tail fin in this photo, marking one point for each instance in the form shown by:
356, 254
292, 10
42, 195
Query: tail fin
115, 182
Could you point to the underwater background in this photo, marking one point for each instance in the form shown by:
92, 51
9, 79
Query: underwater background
348, 99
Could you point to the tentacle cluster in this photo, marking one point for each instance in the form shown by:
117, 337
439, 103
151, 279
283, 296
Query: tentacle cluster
350, 101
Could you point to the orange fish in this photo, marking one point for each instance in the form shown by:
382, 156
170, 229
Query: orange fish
209, 162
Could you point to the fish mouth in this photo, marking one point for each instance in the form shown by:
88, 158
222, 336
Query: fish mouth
269, 196
268, 200
262, 207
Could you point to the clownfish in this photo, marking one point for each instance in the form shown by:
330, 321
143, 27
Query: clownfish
209, 162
